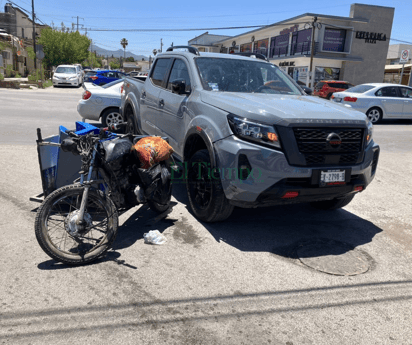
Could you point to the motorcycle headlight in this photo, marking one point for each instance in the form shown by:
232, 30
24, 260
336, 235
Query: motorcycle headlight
369, 136
253, 131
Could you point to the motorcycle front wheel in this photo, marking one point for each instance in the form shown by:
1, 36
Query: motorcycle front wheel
60, 235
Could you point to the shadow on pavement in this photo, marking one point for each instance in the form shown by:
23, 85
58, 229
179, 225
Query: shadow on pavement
281, 229
142, 220
394, 122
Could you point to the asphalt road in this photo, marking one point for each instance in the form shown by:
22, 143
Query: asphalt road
243, 281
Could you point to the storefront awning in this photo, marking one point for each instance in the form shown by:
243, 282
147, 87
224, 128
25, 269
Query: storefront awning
396, 67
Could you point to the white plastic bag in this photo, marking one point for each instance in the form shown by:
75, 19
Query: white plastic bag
154, 237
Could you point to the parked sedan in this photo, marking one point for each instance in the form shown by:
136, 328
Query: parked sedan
378, 101
67, 75
101, 102
103, 77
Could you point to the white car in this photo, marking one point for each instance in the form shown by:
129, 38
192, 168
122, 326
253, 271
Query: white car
67, 75
378, 100
101, 103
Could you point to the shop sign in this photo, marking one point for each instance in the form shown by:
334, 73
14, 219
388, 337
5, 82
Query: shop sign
370, 37
300, 74
404, 56
261, 46
246, 48
279, 45
287, 63
334, 40
289, 30
301, 44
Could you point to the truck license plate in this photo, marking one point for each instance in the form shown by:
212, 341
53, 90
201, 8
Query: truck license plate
337, 99
332, 176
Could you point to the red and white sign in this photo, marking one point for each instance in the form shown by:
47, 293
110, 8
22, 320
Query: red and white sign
405, 55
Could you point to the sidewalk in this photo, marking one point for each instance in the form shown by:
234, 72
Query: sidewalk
16, 79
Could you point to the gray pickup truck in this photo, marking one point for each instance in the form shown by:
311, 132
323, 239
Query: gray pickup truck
246, 134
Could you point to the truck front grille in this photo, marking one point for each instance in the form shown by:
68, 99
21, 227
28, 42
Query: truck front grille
318, 150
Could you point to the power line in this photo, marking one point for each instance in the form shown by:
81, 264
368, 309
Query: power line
188, 29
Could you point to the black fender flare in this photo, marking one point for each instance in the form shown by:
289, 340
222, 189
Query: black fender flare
198, 131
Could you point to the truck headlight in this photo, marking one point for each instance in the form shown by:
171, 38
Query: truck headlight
72, 78
369, 136
253, 131
56, 77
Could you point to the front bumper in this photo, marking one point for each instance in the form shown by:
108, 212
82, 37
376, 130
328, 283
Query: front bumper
60, 82
271, 176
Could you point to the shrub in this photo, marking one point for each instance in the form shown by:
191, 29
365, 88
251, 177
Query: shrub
35, 75
17, 75
9, 70
1, 76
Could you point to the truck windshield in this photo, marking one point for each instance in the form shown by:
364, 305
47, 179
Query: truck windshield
236, 75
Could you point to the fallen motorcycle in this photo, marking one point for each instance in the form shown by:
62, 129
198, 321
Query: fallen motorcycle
77, 223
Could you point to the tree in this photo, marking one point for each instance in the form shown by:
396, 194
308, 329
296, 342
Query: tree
92, 61
114, 65
63, 47
130, 59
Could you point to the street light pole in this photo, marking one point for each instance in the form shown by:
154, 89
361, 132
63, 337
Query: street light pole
312, 51
34, 35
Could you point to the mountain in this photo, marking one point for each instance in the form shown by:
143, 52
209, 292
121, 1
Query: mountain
117, 53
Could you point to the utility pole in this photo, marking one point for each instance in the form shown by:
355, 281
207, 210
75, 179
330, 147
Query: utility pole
312, 51
78, 22
34, 34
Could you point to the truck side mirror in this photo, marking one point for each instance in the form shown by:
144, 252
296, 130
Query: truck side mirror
179, 87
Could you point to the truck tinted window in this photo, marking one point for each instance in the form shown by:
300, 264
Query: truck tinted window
179, 71
340, 85
160, 70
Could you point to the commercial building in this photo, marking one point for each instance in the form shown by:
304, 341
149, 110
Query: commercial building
352, 48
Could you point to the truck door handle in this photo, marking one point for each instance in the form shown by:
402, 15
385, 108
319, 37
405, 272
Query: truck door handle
143, 95
161, 103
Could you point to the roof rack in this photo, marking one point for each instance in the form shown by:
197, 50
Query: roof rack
192, 50
253, 55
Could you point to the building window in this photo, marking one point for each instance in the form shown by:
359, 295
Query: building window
326, 73
334, 40
279, 45
246, 48
261, 47
301, 42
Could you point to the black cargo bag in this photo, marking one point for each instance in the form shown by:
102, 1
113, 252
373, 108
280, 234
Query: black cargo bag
156, 183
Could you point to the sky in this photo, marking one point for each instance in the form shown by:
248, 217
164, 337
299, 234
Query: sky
166, 16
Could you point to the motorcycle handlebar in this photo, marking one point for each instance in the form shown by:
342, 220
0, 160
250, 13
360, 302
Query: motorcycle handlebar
72, 134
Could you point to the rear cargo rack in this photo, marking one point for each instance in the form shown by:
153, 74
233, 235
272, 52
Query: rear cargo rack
192, 50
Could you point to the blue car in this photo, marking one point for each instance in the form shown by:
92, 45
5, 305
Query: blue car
103, 77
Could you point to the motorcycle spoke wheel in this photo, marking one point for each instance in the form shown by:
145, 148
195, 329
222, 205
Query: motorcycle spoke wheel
62, 238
